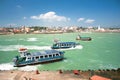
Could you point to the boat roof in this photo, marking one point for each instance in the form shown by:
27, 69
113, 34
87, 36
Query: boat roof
44, 52
66, 42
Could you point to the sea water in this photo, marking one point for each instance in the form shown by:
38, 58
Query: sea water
102, 52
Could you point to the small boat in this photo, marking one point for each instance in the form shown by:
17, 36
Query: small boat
27, 58
62, 45
83, 38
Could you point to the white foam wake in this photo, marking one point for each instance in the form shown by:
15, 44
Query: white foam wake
7, 66
28, 68
16, 47
77, 47
32, 39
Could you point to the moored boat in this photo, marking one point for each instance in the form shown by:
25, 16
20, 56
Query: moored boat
27, 58
62, 45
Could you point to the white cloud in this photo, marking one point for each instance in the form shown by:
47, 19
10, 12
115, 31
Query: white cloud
19, 6
89, 21
50, 16
24, 17
81, 19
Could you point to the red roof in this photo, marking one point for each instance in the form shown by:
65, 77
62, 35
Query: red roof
95, 77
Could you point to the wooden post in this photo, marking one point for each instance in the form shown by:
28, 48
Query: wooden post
37, 72
76, 72
60, 71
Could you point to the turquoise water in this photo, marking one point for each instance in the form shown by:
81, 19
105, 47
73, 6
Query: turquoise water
100, 53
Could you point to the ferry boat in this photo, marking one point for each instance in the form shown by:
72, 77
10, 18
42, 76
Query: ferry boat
59, 45
83, 38
27, 58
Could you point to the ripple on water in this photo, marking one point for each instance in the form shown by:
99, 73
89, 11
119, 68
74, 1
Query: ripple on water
32, 39
16, 47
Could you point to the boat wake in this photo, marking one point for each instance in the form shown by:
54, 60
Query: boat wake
9, 66
16, 47
77, 47
28, 68
32, 39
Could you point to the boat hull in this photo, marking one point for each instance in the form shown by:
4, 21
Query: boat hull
60, 47
84, 39
38, 62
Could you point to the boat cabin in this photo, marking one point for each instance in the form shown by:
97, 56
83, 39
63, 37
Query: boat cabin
43, 55
59, 45
23, 52
27, 58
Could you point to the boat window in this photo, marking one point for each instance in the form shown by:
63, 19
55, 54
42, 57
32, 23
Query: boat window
41, 56
67, 44
53, 55
24, 58
61, 44
57, 54
29, 58
28, 54
46, 56
64, 44
58, 44
37, 57
60, 54
50, 55
54, 44
24, 53
71, 45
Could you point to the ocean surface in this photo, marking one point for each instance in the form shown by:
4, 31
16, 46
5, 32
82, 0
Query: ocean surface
103, 52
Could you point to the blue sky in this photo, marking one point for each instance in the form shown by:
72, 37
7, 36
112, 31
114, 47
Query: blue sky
60, 13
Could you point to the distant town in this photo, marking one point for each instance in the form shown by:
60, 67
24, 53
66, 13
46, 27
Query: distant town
53, 30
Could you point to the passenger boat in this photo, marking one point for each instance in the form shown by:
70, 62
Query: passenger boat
27, 58
83, 38
59, 45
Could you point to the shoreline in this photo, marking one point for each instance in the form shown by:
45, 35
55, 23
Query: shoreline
10, 33
58, 74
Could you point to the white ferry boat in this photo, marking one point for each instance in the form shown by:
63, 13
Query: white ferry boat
27, 58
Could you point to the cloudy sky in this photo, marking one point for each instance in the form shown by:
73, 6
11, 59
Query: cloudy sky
60, 12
